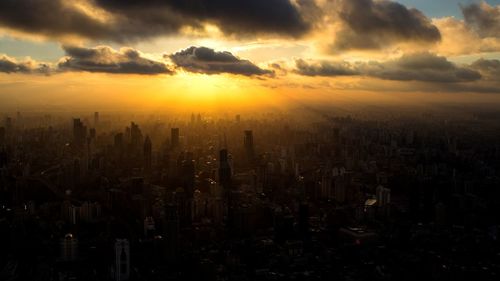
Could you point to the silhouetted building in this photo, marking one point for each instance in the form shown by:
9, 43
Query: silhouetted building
122, 260
118, 142
8, 124
249, 146
2, 135
174, 138
69, 248
224, 169
79, 132
304, 220
135, 135
171, 229
149, 227
383, 196
96, 119
147, 154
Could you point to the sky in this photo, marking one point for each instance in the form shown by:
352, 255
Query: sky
164, 54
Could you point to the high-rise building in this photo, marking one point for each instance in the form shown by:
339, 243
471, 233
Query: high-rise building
8, 124
69, 248
174, 137
304, 220
248, 145
79, 132
171, 232
2, 135
135, 135
96, 119
118, 140
383, 196
122, 259
92, 133
149, 227
147, 154
188, 171
224, 169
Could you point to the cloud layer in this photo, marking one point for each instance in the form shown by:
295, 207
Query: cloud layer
208, 61
232, 17
54, 18
369, 24
105, 59
11, 65
490, 69
126, 20
424, 67
483, 18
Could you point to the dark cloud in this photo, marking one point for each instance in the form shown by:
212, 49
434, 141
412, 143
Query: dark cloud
424, 67
52, 18
128, 20
105, 59
369, 24
206, 60
490, 69
325, 68
483, 18
232, 17
10, 65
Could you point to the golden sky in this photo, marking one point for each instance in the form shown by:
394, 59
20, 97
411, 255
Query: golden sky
111, 54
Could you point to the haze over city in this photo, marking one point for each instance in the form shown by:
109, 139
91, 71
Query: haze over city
249, 140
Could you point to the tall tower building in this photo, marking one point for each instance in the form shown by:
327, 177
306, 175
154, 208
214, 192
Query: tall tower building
174, 137
135, 135
2, 135
188, 171
119, 140
224, 169
122, 259
69, 248
8, 124
171, 232
96, 119
383, 196
79, 132
248, 145
147, 154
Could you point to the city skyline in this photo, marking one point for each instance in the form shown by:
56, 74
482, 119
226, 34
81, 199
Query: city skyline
220, 140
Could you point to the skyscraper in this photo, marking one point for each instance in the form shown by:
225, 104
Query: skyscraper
248, 145
79, 132
171, 232
2, 135
174, 137
8, 124
224, 169
69, 248
135, 135
147, 154
96, 119
122, 259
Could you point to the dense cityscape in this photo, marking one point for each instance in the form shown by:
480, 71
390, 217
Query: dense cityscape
276, 196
